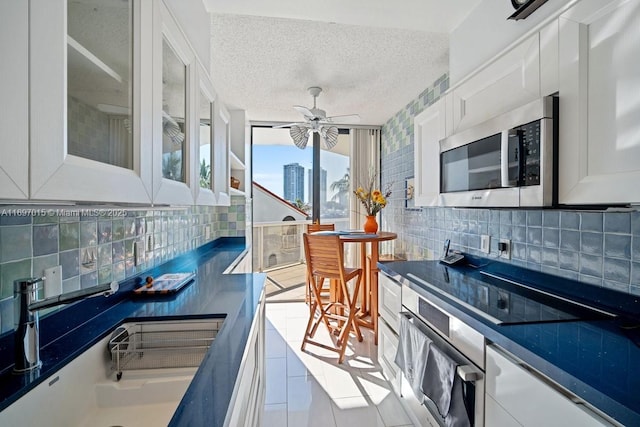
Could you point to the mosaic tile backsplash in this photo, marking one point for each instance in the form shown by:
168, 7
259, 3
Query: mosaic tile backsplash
597, 247
98, 247
398, 131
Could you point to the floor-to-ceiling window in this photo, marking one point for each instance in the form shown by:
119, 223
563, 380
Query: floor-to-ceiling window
334, 183
284, 192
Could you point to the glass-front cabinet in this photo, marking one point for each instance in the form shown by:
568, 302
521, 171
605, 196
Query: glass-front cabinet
204, 147
87, 109
14, 100
105, 101
174, 125
99, 82
221, 158
174, 114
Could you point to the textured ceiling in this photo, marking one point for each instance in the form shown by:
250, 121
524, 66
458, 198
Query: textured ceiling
369, 60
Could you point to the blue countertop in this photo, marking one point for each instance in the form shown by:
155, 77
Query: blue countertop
69, 332
596, 360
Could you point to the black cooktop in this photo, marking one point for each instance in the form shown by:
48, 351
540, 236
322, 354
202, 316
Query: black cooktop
504, 301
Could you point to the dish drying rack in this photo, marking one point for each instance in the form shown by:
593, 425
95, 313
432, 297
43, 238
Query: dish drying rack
157, 345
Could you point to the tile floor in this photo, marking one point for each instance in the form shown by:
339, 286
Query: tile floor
311, 389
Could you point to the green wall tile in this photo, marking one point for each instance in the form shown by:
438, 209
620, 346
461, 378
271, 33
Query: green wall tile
15, 242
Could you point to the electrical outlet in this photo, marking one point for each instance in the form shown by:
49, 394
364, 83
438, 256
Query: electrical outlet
52, 281
504, 248
207, 232
485, 243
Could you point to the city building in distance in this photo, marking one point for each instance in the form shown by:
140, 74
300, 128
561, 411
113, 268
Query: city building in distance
293, 181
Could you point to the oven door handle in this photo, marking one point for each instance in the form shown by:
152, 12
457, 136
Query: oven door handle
469, 373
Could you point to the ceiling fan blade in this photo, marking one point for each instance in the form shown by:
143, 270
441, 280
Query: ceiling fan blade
346, 118
304, 111
286, 125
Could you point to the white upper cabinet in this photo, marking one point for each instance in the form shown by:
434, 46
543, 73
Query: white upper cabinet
14, 100
599, 140
221, 157
203, 171
175, 91
87, 110
509, 81
549, 59
429, 127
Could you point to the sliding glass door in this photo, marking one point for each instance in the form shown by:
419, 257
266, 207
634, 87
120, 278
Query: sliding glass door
283, 193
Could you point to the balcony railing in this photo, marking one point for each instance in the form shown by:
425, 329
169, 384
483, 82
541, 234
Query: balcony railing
279, 244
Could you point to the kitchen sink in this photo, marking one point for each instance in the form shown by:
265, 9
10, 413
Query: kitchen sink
99, 388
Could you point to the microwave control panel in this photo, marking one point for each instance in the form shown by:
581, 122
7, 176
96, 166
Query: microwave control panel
530, 149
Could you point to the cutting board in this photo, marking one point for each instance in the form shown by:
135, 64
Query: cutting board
169, 283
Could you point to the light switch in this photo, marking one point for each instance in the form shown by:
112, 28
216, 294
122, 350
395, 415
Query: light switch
485, 243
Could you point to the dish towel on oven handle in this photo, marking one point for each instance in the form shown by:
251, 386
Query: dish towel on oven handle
411, 357
444, 388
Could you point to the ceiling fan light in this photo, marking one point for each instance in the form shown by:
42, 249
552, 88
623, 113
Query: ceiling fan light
330, 136
299, 135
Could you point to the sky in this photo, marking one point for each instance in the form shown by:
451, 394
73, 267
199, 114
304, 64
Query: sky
268, 162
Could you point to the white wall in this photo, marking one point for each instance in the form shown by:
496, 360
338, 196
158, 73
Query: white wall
267, 208
486, 31
196, 23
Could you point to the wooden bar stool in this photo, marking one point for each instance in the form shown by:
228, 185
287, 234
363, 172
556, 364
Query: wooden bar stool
316, 226
312, 228
325, 261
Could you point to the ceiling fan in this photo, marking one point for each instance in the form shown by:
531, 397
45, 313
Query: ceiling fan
316, 121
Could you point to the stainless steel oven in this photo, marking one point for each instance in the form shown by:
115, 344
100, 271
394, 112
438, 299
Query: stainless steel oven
505, 161
460, 343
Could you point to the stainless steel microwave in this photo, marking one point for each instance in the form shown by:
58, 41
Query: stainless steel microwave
506, 161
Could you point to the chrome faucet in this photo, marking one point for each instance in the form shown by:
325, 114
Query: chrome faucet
26, 307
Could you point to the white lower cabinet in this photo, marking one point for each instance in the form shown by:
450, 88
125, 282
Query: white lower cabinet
516, 396
387, 348
247, 400
242, 264
389, 301
419, 414
495, 415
